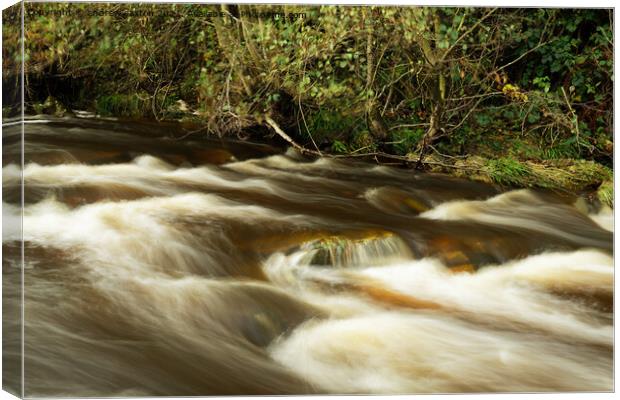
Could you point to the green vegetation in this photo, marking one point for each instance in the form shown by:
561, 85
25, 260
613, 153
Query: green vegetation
508, 171
527, 90
605, 193
122, 104
566, 175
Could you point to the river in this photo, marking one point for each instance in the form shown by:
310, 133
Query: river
161, 265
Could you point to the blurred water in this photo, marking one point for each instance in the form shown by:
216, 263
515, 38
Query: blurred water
199, 267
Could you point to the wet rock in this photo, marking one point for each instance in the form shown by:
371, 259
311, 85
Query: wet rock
395, 201
463, 254
463, 268
342, 252
264, 314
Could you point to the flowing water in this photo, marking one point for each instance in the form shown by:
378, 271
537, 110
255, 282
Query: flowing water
160, 266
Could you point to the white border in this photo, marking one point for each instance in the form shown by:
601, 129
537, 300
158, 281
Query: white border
481, 3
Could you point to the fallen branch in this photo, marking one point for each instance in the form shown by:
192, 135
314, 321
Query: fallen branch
402, 159
286, 137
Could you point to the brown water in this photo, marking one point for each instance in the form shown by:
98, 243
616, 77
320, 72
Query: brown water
157, 266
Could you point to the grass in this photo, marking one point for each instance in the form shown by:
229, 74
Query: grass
605, 193
509, 172
576, 176
130, 105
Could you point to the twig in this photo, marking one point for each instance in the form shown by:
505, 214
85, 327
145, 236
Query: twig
470, 30
303, 117
539, 45
575, 120
191, 133
286, 137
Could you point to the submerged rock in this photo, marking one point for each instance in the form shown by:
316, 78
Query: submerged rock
396, 201
464, 254
342, 252
264, 313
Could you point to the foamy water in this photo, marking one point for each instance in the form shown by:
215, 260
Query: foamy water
159, 269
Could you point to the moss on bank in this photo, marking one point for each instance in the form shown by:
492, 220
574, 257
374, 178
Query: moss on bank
605, 193
574, 176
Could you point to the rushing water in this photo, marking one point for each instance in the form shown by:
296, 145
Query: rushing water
158, 266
